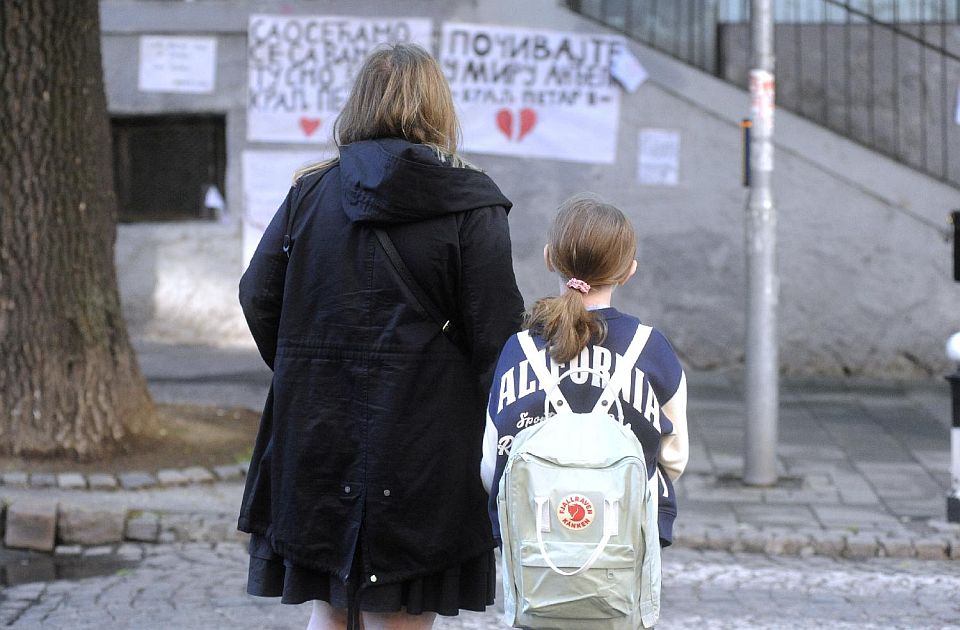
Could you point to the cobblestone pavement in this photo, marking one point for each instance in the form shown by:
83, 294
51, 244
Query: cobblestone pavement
200, 586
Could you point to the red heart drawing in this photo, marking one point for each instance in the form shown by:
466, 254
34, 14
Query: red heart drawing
309, 125
528, 119
505, 122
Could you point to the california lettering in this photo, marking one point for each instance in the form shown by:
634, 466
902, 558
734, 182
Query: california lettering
520, 381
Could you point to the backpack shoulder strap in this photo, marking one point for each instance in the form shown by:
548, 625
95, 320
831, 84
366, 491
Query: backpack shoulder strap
539, 365
624, 368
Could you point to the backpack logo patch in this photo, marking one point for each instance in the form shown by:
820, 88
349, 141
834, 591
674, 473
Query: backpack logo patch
575, 512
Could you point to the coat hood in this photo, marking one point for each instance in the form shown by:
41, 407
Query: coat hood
390, 180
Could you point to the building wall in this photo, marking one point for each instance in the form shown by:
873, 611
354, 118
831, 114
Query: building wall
864, 257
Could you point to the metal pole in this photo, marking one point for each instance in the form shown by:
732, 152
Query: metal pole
762, 354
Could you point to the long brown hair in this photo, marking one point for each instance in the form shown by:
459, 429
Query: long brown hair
399, 92
592, 241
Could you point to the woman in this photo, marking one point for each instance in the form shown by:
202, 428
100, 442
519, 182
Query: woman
362, 493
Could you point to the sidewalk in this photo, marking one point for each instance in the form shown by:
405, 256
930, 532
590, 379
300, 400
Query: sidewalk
864, 464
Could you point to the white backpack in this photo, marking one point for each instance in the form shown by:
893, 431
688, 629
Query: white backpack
578, 518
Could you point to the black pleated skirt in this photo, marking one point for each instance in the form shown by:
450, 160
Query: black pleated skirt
468, 586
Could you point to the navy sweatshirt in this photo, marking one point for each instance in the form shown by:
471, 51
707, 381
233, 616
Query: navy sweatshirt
655, 406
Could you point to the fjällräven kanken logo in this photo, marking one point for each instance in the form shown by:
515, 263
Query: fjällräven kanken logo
575, 512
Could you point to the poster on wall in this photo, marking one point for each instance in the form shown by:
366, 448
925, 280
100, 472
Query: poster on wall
177, 64
301, 68
534, 93
658, 157
267, 177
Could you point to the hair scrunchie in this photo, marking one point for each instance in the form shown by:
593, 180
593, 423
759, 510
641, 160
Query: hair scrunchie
578, 285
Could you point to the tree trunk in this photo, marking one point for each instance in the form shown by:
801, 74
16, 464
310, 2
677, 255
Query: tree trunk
69, 380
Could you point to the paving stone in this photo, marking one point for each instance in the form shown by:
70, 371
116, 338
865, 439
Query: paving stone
829, 543
897, 547
100, 550
43, 480
31, 524
143, 527
68, 550
752, 540
931, 548
137, 480
88, 525
172, 477
720, 539
71, 481
945, 527
102, 481
16, 479
129, 551
198, 474
229, 473
861, 545
786, 543
690, 536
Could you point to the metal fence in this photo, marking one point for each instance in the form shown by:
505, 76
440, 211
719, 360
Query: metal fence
881, 73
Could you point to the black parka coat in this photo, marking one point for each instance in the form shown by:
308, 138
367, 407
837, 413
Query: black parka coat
371, 434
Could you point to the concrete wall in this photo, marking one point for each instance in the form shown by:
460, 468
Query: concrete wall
864, 258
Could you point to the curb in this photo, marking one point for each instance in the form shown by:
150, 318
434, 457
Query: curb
830, 543
132, 480
48, 525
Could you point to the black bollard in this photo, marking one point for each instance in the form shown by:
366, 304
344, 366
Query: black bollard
953, 499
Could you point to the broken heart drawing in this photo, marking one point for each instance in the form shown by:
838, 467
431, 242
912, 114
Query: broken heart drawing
519, 126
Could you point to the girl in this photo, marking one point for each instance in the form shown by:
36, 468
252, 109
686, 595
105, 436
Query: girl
591, 247
362, 494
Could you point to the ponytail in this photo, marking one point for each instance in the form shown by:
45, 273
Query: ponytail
567, 326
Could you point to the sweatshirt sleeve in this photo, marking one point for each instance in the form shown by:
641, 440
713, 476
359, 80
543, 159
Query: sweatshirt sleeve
675, 446
491, 306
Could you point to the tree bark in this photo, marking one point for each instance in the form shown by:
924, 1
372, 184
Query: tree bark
69, 380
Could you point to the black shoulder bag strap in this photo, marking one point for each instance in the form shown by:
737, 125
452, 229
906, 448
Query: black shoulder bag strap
421, 302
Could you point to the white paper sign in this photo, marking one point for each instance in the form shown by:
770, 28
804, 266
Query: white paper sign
534, 93
301, 69
628, 70
267, 177
177, 64
658, 162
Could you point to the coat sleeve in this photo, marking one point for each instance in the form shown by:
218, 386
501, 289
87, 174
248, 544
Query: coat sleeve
261, 287
490, 302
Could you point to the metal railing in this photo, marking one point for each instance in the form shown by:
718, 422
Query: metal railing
870, 70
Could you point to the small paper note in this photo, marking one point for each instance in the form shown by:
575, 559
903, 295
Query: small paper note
658, 160
627, 70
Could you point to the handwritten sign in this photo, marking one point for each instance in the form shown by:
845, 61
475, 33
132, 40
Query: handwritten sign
534, 93
658, 162
301, 69
177, 64
267, 177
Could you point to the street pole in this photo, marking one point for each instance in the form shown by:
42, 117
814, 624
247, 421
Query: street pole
762, 354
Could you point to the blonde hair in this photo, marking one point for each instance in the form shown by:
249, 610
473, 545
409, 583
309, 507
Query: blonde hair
399, 92
592, 241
